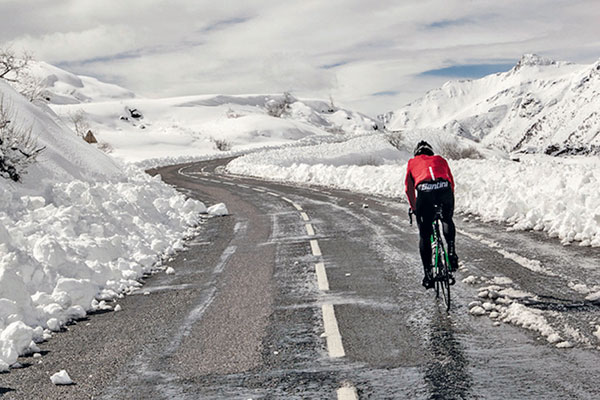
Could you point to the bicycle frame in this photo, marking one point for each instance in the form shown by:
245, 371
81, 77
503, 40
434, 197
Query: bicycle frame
441, 264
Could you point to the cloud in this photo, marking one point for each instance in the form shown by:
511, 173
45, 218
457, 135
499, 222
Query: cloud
374, 56
100, 42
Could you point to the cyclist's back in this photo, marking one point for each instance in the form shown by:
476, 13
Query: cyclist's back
430, 176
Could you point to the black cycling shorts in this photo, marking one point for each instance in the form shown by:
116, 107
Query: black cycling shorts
431, 193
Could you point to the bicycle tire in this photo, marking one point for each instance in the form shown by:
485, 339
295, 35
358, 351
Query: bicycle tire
445, 285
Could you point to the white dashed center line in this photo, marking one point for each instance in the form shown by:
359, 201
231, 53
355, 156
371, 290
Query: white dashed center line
316, 250
322, 280
273, 194
297, 207
310, 230
347, 393
332, 332
304, 216
258, 190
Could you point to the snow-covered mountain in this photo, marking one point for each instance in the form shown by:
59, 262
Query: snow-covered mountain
62, 87
540, 105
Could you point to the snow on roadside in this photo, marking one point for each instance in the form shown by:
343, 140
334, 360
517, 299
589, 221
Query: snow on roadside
84, 241
556, 195
365, 164
79, 230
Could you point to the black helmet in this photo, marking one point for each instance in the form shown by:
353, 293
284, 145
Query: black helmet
423, 148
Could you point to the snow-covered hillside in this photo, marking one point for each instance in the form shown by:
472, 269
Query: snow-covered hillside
210, 124
78, 229
539, 105
62, 87
184, 128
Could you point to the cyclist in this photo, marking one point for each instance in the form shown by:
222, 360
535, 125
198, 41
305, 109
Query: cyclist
430, 176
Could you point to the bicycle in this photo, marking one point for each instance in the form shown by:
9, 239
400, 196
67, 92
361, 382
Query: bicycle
440, 259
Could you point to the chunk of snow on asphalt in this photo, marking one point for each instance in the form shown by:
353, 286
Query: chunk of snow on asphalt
532, 319
61, 378
564, 345
170, 271
118, 308
593, 296
218, 210
579, 287
501, 280
597, 332
477, 310
470, 279
474, 304
514, 293
532, 265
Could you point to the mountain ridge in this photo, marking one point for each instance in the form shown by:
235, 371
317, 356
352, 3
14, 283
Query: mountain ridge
539, 105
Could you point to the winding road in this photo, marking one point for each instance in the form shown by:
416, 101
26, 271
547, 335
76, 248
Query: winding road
313, 293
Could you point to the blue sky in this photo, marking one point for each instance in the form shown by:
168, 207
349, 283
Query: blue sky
469, 71
371, 56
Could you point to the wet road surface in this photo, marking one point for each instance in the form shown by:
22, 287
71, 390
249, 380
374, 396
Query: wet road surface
309, 293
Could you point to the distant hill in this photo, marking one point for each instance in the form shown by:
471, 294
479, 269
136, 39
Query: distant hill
540, 105
137, 128
63, 87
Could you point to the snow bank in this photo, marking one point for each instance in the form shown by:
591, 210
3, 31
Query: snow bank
364, 164
83, 241
559, 196
556, 195
79, 229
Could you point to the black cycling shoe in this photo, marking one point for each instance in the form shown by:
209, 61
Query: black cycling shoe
451, 280
453, 258
428, 283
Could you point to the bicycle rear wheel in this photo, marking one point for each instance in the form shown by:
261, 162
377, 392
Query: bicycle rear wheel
445, 283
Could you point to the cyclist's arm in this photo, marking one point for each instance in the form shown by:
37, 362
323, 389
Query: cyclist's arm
409, 184
450, 175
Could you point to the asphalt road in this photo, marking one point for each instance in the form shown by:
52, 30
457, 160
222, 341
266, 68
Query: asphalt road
309, 293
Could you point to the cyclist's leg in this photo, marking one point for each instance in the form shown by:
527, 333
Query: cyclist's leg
447, 199
424, 214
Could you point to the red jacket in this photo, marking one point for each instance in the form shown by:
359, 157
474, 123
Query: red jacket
424, 168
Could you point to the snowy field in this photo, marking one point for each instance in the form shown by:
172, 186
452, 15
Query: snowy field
193, 127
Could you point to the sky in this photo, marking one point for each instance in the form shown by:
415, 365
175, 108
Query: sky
372, 56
